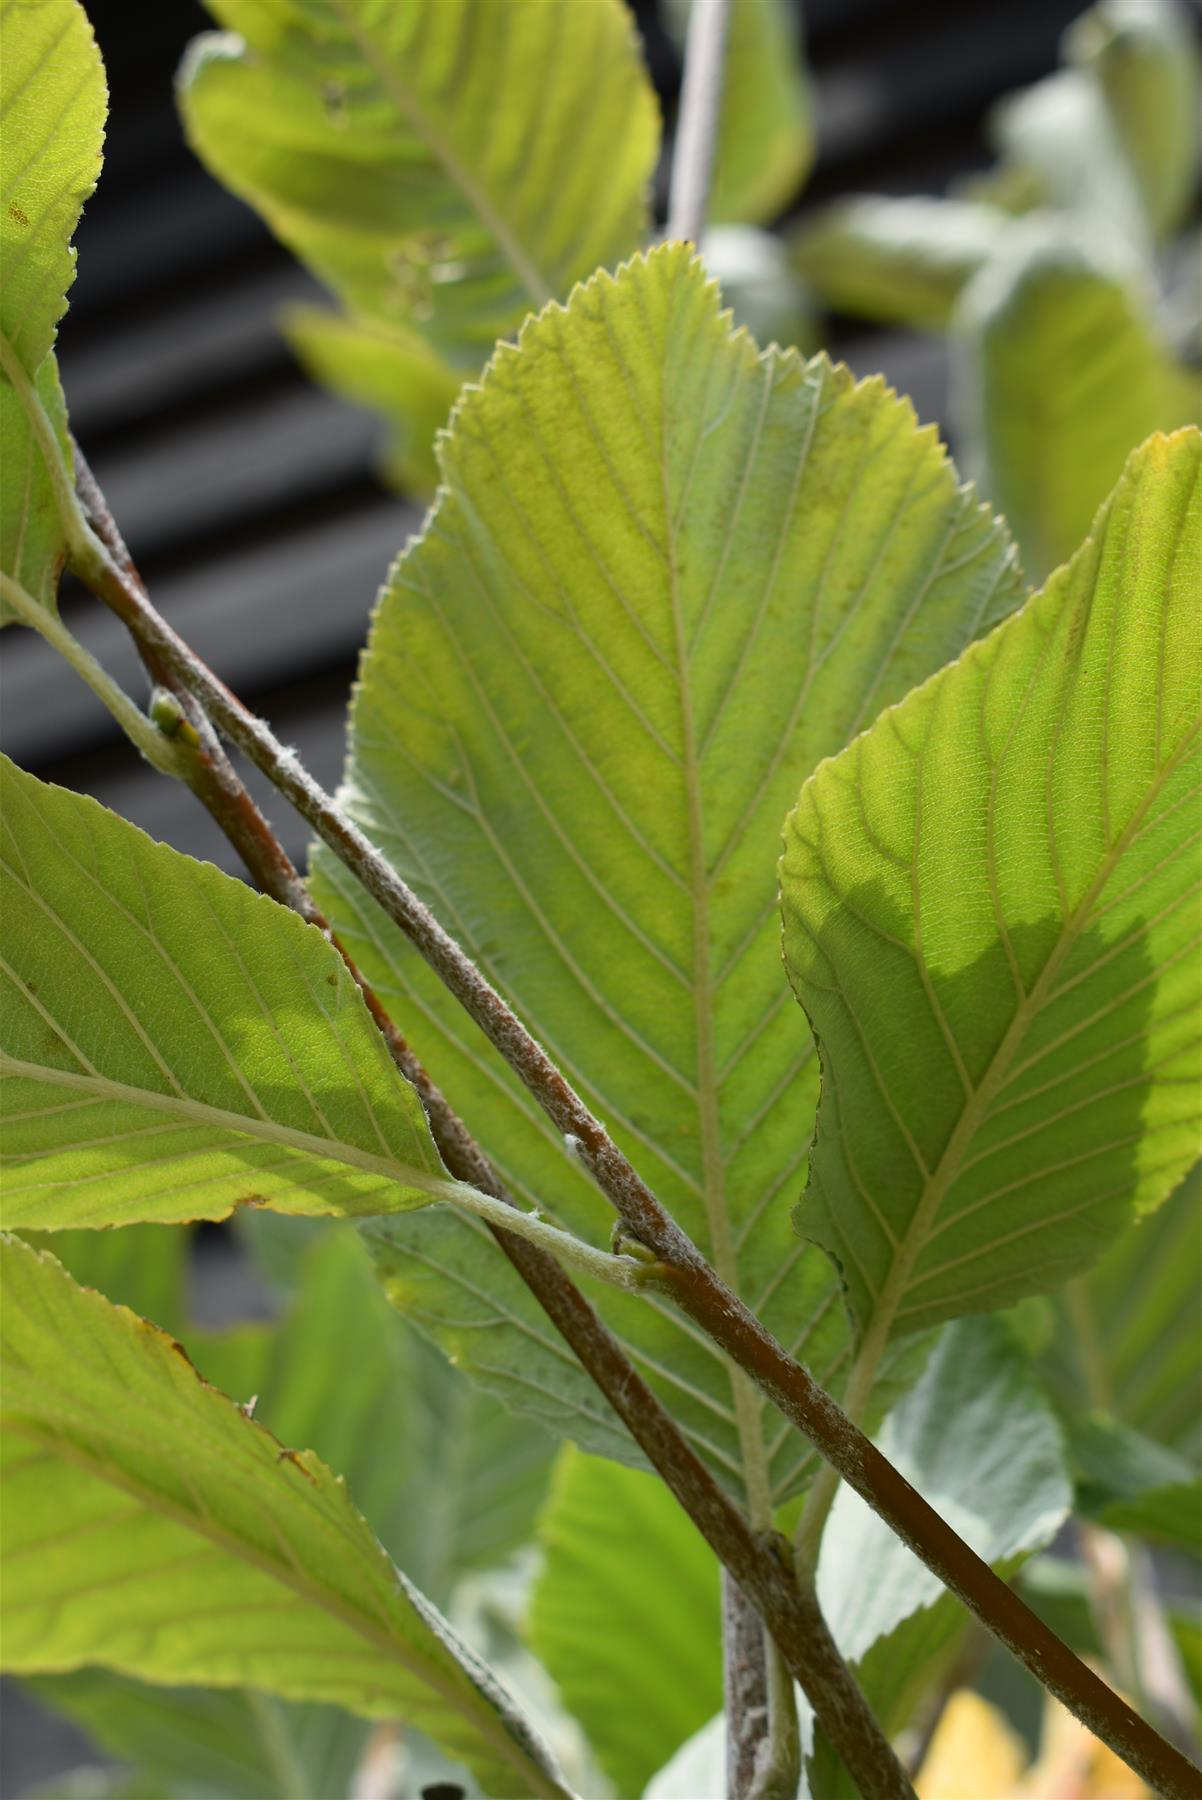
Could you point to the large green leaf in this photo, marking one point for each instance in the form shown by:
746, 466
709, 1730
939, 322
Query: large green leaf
904, 261
446, 1480
52, 108
1063, 373
1126, 1341
665, 577
765, 143
990, 906
626, 1614
979, 1441
438, 164
175, 1045
154, 1528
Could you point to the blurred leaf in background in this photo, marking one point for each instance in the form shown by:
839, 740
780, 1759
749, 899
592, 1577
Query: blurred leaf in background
1048, 273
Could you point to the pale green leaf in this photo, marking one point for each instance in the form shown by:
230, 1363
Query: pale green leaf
981, 1444
904, 261
52, 110
174, 1045
1127, 1336
765, 144
388, 368
626, 1614
150, 1526
439, 164
1144, 56
991, 918
1060, 135
698, 1769
1063, 373
666, 576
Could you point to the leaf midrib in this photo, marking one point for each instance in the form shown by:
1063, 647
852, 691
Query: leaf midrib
745, 1396
202, 1113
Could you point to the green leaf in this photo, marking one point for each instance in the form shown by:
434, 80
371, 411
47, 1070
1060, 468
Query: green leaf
52, 110
346, 1374
1144, 56
141, 1267
666, 575
765, 145
626, 1614
438, 165
187, 1546
901, 261
175, 1045
52, 106
447, 1482
1064, 372
982, 1445
247, 1745
387, 368
990, 918
1127, 1338
1131, 1483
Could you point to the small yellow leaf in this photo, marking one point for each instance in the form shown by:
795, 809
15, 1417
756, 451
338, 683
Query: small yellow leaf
974, 1755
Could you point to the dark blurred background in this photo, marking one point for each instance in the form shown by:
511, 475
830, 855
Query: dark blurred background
247, 495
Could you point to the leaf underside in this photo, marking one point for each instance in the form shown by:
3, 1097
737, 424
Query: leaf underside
666, 575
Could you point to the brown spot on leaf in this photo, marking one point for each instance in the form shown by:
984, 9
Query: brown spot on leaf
292, 1457
16, 214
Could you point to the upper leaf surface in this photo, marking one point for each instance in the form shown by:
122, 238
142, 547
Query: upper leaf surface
152, 1527
52, 109
439, 163
173, 1044
666, 575
991, 919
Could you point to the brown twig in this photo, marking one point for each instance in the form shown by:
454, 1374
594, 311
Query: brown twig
684, 1272
826, 1680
